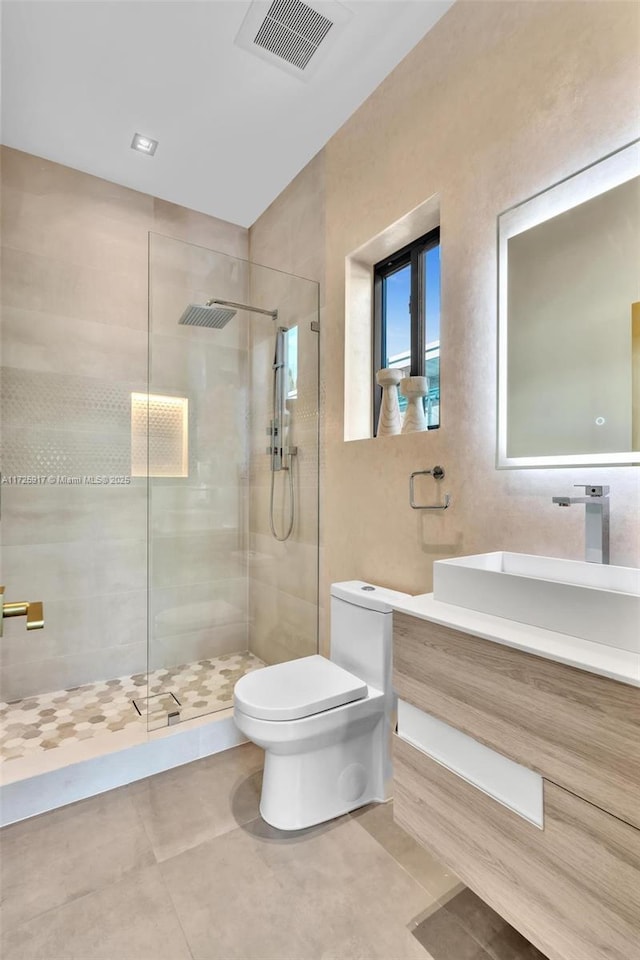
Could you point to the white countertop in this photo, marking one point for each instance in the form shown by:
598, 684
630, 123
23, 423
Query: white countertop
621, 665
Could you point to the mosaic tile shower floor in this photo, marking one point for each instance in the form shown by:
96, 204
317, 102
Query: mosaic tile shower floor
52, 720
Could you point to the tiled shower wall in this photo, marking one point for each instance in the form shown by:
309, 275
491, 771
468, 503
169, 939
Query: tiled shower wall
198, 524
74, 305
286, 608
283, 576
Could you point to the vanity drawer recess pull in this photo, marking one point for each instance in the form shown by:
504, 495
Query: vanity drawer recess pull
437, 473
509, 783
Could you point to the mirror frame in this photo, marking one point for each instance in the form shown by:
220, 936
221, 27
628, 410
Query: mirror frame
599, 177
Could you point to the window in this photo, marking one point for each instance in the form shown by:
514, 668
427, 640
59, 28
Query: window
406, 319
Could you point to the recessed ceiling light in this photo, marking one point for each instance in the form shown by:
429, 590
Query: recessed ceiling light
144, 144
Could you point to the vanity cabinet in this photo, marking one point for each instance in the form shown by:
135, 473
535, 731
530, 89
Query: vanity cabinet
572, 887
578, 729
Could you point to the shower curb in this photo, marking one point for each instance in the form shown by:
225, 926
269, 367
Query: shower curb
157, 751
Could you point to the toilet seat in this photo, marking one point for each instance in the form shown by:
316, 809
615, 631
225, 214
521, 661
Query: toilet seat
296, 689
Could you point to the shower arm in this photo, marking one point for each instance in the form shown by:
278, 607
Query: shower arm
242, 306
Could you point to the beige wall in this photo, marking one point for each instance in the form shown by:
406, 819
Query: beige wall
283, 580
497, 102
74, 305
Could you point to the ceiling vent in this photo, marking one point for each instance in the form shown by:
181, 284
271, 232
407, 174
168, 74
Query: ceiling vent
292, 35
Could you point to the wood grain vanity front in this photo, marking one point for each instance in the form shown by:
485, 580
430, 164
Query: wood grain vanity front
572, 889
577, 729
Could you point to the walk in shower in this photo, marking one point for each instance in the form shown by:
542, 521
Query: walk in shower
233, 519
171, 523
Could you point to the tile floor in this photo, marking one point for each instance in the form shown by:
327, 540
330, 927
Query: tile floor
52, 720
181, 867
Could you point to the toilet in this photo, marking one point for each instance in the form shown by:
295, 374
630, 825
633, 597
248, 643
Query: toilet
325, 724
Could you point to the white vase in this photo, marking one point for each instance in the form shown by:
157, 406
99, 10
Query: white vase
389, 420
415, 390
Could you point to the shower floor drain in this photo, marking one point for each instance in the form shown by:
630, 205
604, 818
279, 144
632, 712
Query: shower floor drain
62, 718
157, 706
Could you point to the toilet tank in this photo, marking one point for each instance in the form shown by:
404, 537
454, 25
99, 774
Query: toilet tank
362, 630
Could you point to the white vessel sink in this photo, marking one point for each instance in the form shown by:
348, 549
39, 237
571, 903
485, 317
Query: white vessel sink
594, 601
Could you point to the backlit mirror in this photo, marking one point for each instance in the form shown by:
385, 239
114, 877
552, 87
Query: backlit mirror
569, 320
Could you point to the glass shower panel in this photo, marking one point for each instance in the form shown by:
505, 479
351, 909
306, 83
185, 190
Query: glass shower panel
207, 417
73, 524
283, 574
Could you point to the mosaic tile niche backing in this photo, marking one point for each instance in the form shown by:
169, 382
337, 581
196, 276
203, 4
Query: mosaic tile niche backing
56, 424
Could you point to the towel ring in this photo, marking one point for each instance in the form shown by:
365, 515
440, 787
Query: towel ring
437, 473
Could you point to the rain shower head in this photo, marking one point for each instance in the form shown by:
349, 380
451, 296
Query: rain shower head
214, 313
206, 315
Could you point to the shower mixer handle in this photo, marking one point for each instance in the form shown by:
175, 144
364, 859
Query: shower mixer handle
275, 450
33, 611
280, 455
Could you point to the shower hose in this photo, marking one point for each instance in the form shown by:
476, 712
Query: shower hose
272, 524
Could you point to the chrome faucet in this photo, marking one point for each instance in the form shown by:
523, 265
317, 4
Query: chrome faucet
596, 530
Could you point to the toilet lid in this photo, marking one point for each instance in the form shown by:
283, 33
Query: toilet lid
299, 688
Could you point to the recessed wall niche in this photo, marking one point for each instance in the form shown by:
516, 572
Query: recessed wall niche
165, 422
358, 346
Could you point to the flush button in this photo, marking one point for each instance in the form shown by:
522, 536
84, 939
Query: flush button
367, 588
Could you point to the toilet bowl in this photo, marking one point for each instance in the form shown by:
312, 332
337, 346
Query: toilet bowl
325, 724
